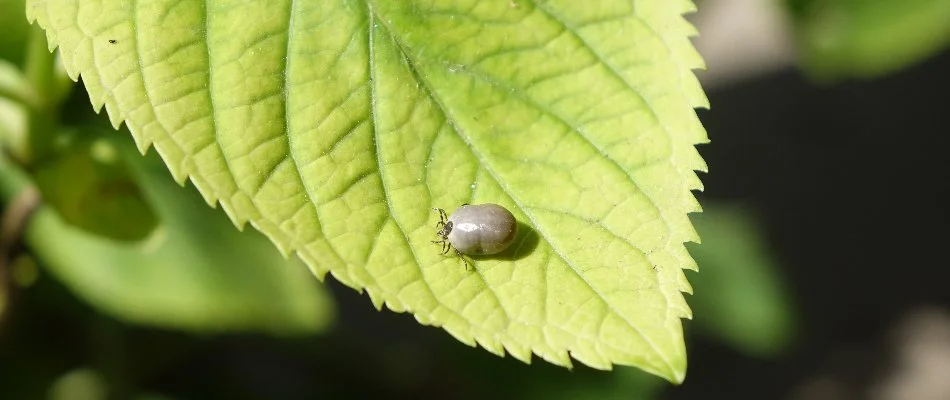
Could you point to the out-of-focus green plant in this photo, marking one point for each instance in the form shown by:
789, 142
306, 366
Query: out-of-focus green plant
14, 31
867, 38
171, 261
739, 297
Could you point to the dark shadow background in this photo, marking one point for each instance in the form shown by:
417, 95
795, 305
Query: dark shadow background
851, 180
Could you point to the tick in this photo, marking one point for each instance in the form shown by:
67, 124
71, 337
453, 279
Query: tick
476, 229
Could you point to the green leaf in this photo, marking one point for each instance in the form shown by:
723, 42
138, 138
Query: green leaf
739, 297
15, 31
90, 189
14, 115
868, 38
193, 271
14, 86
335, 127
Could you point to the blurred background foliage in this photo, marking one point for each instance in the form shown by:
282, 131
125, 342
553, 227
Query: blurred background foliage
121, 284
867, 38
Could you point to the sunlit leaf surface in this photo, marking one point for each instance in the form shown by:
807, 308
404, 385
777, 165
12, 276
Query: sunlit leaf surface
335, 127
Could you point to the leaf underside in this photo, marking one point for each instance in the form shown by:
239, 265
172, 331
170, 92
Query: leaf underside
335, 127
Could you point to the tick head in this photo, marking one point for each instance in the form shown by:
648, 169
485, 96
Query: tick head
445, 230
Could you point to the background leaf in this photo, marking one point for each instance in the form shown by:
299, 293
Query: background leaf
15, 31
739, 296
192, 271
868, 37
90, 189
334, 127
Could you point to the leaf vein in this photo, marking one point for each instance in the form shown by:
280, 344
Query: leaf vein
386, 191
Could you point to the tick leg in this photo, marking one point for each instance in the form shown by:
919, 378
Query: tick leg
448, 246
444, 245
468, 265
442, 217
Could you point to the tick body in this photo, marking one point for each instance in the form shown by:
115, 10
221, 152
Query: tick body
478, 229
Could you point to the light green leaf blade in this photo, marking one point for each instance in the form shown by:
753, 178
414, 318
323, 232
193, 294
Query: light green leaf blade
335, 126
193, 271
868, 38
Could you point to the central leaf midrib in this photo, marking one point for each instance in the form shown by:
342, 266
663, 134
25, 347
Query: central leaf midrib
370, 18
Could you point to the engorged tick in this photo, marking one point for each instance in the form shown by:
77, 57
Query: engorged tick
478, 229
